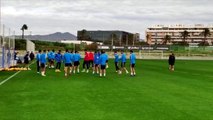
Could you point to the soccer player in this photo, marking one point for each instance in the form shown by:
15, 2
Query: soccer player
26, 60
171, 62
107, 66
37, 60
96, 62
76, 59
49, 58
43, 63
116, 61
132, 63
103, 59
86, 62
58, 59
52, 58
91, 60
67, 62
32, 56
123, 62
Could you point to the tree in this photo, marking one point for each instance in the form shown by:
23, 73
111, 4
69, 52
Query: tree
166, 39
23, 28
184, 35
205, 34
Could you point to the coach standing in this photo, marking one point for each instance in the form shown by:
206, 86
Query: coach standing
171, 62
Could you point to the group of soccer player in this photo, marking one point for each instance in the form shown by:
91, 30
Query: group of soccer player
98, 61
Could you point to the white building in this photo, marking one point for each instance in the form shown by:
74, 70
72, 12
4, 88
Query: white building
79, 42
156, 34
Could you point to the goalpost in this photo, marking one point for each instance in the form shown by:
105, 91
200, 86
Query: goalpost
151, 54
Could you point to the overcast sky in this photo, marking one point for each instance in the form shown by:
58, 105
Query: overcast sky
48, 16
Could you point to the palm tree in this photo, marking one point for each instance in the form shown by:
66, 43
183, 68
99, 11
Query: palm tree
167, 38
205, 34
24, 27
184, 35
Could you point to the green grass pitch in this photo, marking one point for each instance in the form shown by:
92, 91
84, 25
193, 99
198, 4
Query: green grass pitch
154, 93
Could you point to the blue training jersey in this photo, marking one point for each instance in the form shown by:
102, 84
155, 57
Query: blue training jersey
132, 58
106, 56
49, 55
76, 57
43, 58
103, 59
123, 58
58, 57
67, 58
116, 57
96, 58
72, 57
38, 56
52, 55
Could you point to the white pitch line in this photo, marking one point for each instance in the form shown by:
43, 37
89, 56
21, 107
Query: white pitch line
13, 75
9, 78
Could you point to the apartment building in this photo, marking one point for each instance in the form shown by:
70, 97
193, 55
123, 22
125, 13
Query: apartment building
156, 34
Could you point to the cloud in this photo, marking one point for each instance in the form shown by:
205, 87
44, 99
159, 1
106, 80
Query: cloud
47, 16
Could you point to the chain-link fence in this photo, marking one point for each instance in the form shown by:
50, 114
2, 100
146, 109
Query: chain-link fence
7, 47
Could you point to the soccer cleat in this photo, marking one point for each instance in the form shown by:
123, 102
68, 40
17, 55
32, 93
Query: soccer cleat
74, 72
38, 72
87, 71
83, 70
100, 75
65, 74
43, 75
93, 72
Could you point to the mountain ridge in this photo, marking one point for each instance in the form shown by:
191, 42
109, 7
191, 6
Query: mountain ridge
54, 37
